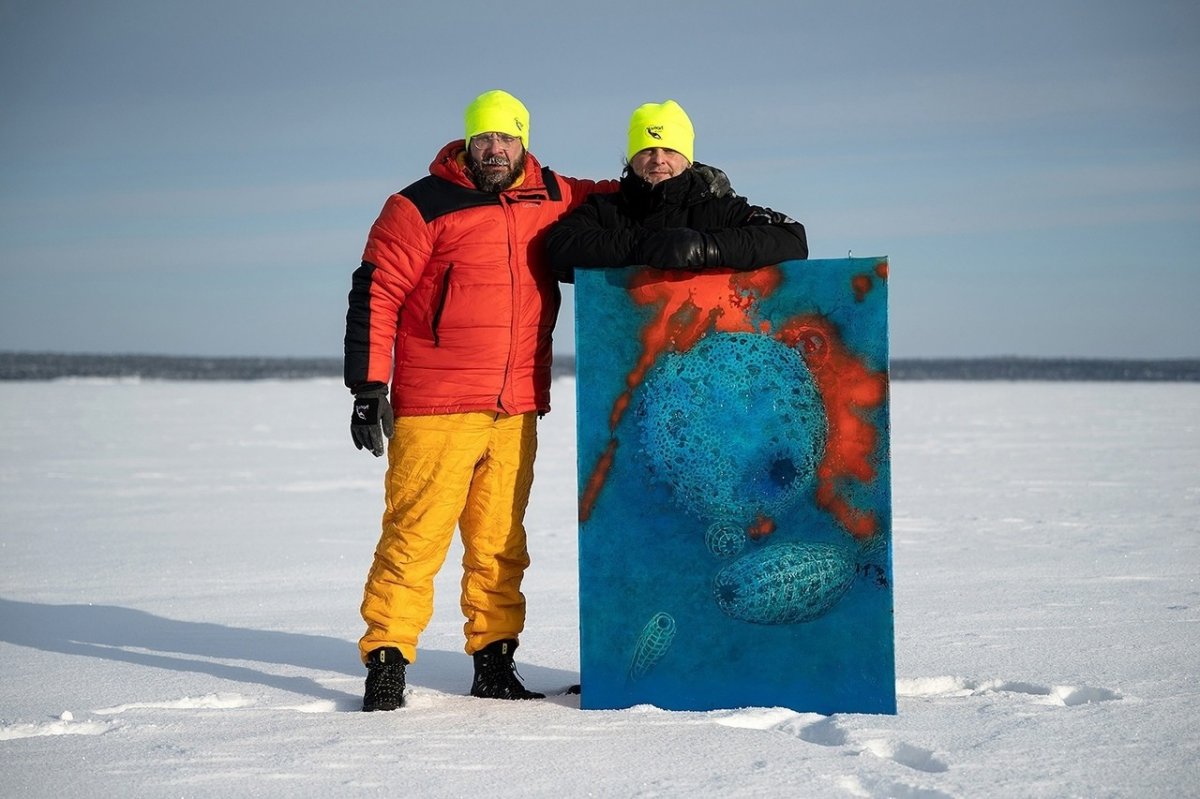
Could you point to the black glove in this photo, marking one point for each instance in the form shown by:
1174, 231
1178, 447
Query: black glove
718, 181
677, 248
372, 418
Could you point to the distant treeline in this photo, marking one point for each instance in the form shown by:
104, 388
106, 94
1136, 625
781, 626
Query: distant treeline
53, 366
1172, 370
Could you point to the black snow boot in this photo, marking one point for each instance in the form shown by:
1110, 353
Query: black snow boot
385, 679
496, 674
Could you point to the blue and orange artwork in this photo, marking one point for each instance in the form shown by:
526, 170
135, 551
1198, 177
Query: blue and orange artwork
735, 505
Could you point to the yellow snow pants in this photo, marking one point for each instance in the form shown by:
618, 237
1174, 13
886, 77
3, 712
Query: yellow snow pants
470, 469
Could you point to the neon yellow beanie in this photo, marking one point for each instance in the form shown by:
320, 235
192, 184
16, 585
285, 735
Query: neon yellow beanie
661, 125
500, 112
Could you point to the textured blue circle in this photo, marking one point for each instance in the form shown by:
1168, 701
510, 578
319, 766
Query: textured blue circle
725, 539
735, 426
785, 583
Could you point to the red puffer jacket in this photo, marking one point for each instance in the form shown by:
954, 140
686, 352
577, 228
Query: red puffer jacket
455, 286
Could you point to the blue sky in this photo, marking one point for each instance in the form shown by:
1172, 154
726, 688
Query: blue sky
199, 178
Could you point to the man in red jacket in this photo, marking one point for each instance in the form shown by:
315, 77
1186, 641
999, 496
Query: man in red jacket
453, 309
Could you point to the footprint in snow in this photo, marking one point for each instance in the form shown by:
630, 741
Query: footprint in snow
827, 731
908, 755
222, 701
1061, 695
884, 788
64, 725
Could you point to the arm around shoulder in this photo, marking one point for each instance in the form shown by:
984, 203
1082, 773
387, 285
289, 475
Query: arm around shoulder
581, 239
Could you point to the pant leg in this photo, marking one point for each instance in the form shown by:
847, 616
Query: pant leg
431, 464
493, 532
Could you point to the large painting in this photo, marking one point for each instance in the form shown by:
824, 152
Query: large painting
734, 487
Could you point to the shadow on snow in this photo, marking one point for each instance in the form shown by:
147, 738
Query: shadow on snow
139, 638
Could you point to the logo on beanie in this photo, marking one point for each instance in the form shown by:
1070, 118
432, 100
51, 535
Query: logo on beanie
517, 122
655, 131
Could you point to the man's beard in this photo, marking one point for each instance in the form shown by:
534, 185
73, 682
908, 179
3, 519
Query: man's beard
494, 179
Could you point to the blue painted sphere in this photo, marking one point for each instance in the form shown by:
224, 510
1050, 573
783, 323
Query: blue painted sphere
735, 426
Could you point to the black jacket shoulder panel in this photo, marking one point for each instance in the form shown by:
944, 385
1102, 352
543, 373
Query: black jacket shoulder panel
553, 190
434, 197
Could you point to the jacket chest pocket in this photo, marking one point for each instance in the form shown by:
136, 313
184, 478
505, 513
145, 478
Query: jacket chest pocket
441, 294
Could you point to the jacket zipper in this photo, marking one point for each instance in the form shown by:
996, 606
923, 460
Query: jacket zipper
515, 300
441, 306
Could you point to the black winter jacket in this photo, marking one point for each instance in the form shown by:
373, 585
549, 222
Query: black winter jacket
677, 224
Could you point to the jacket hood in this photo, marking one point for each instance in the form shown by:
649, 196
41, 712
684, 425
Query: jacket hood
450, 164
686, 188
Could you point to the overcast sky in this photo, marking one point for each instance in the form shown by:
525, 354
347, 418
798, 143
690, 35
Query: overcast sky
199, 178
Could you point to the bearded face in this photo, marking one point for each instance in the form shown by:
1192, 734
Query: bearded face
495, 169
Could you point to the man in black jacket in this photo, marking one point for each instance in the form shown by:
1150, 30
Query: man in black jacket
666, 216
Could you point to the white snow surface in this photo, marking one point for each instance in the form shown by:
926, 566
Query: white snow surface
183, 562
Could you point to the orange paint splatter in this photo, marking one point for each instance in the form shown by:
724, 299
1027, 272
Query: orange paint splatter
690, 304
862, 285
847, 389
596, 481
763, 526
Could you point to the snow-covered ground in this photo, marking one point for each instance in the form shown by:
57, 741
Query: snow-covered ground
182, 566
